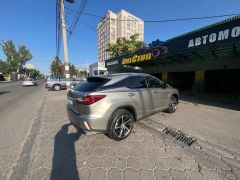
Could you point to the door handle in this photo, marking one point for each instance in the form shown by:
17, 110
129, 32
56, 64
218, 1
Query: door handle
131, 94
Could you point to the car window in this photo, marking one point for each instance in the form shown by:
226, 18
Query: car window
62, 78
52, 78
154, 82
91, 84
135, 82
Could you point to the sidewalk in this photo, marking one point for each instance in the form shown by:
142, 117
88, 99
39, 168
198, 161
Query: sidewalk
56, 150
212, 99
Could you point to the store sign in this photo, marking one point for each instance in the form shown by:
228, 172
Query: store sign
139, 56
215, 37
154, 53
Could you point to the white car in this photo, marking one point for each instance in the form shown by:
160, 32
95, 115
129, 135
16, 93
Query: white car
29, 82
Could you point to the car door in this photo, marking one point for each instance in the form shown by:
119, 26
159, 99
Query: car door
159, 93
139, 95
62, 80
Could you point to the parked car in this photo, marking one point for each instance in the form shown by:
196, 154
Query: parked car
111, 104
58, 83
29, 82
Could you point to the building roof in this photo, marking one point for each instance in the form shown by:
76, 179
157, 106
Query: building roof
207, 27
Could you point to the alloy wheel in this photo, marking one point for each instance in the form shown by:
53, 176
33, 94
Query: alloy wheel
123, 126
173, 103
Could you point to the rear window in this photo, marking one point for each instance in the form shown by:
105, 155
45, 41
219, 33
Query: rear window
91, 84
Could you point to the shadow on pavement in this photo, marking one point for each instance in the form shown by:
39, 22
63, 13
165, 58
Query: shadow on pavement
64, 164
212, 99
4, 92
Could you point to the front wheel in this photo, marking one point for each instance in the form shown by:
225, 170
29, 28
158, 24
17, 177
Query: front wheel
57, 87
172, 104
121, 125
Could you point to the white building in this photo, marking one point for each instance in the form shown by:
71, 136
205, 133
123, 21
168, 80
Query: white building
114, 26
97, 69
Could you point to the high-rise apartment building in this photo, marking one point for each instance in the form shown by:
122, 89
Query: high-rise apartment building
114, 26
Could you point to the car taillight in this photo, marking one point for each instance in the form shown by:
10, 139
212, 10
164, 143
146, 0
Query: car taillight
88, 100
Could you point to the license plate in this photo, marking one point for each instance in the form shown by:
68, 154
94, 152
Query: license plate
70, 101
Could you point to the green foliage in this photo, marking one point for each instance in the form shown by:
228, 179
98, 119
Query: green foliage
125, 46
15, 59
4, 68
72, 70
156, 43
57, 68
32, 73
82, 73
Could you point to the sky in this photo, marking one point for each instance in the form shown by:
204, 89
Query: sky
33, 23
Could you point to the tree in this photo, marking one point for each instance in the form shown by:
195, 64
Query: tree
4, 69
57, 68
15, 59
156, 43
125, 46
72, 70
82, 73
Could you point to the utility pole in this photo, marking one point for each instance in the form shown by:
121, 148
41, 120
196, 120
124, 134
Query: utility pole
65, 46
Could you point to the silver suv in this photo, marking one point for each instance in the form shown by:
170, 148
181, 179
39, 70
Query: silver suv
58, 83
111, 104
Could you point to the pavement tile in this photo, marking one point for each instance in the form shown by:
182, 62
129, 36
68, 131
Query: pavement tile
81, 161
148, 144
161, 174
85, 173
189, 163
115, 174
88, 151
160, 152
172, 163
99, 151
149, 152
130, 174
124, 152
193, 175
111, 152
39, 173
93, 162
172, 152
159, 163
178, 175
159, 143
120, 162
145, 174
106, 162
136, 152
209, 174
147, 163
99, 174
133, 162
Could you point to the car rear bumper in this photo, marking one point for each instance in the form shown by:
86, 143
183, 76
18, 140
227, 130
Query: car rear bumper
83, 122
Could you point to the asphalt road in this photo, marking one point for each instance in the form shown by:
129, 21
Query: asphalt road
18, 107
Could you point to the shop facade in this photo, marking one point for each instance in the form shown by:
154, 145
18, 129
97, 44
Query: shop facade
207, 59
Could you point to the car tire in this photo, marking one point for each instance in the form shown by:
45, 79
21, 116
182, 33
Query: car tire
121, 124
173, 101
57, 87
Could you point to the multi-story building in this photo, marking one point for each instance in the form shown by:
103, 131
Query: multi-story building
114, 26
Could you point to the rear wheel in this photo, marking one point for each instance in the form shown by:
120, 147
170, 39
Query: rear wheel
172, 104
57, 87
121, 125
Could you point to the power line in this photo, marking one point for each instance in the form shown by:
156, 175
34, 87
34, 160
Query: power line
161, 21
77, 16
